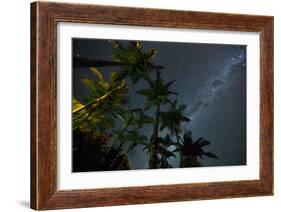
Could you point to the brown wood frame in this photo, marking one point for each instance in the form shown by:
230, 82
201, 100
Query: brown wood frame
44, 19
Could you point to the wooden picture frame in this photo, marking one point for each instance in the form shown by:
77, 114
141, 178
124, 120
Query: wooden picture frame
44, 19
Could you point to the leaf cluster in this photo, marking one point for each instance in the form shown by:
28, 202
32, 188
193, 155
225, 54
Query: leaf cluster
191, 150
136, 62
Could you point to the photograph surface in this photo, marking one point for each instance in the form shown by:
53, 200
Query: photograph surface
151, 104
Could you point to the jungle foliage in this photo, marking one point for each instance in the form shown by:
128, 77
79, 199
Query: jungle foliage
107, 130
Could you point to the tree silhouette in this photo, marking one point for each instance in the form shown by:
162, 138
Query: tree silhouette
156, 95
191, 150
173, 119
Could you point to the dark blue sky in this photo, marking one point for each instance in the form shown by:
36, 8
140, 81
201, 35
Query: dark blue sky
210, 80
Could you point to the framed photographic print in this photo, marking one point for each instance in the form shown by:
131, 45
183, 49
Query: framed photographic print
136, 105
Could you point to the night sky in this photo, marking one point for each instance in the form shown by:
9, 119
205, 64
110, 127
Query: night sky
210, 80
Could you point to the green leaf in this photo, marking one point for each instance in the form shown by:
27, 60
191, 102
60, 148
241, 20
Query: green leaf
88, 82
96, 72
104, 84
116, 44
202, 142
136, 44
114, 75
76, 105
148, 105
145, 92
165, 152
211, 155
151, 53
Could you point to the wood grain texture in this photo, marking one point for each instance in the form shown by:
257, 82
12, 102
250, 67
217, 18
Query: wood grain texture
33, 61
44, 18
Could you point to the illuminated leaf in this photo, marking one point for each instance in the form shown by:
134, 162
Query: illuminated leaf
76, 105
96, 72
88, 82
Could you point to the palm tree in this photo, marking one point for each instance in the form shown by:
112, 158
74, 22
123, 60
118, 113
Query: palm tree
173, 118
134, 61
164, 151
191, 150
107, 98
158, 93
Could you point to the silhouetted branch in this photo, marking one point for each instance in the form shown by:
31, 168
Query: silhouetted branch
83, 63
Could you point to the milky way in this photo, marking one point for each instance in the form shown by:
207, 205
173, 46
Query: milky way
218, 81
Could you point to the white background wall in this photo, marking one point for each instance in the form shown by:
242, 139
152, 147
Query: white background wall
14, 104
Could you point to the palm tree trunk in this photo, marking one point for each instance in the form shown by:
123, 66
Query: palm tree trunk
153, 151
179, 146
153, 154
